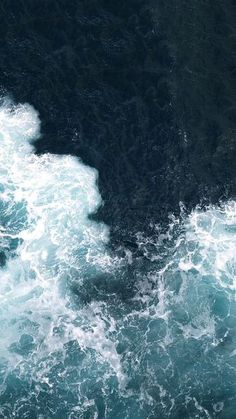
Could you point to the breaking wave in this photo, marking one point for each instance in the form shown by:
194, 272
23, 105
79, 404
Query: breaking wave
88, 335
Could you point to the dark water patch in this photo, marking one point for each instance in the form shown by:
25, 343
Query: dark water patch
143, 92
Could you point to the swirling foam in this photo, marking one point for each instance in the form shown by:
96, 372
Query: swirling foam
161, 345
47, 240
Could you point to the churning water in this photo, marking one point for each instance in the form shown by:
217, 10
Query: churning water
73, 343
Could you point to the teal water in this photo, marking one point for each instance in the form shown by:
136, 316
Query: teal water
74, 342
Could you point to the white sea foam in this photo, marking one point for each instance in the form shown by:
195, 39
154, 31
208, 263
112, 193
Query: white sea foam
193, 260
47, 238
184, 287
211, 241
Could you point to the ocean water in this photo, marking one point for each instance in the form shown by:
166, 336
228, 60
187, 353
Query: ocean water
90, 332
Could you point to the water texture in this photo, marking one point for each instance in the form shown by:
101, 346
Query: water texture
117, 209
86, 333
142, 90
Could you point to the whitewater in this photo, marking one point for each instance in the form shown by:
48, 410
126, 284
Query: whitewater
73, 344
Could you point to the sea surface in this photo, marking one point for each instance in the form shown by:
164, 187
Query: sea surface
117, 209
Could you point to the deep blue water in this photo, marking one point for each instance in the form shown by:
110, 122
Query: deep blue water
117, 210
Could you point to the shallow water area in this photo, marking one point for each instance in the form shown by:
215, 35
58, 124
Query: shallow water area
88, 334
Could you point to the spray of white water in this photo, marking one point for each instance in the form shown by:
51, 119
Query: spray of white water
47, 239
176, 334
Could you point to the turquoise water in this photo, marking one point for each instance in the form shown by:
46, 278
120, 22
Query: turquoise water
76, 340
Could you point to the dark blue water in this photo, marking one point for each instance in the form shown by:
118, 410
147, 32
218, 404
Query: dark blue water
117, 292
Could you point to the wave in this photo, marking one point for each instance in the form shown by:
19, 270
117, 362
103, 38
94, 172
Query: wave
167, 349
47, 241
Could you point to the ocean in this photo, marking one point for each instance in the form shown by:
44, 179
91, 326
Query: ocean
117, 209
